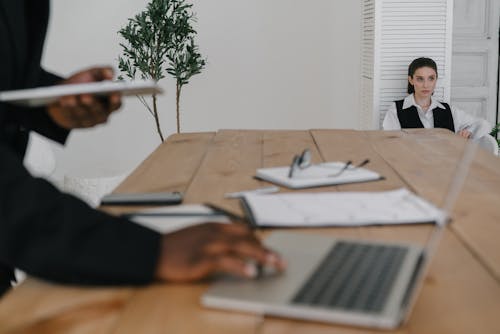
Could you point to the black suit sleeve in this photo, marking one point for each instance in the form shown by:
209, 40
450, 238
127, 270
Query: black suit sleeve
55, 236
48, 79
37, 119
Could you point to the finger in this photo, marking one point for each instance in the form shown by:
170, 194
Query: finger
252, 250
236, 266
101, 73
95, 112
70, 101
115, 101
223, 264
87, 100
245, 248
260, 254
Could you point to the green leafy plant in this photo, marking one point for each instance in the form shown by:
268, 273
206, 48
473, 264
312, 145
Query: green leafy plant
158, 41
494, 133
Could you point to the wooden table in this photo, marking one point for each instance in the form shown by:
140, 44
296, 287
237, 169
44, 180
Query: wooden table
461, 293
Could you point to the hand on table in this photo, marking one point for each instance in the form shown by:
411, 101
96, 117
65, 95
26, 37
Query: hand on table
198, 252
86, 110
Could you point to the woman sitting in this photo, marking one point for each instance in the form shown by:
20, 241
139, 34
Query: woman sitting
420, 110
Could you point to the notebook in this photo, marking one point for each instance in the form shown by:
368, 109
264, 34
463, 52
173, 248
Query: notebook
35, 97
398, 206
347, 281
323, 174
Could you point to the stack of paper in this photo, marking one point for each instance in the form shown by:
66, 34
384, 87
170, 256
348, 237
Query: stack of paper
339, 209
167, 219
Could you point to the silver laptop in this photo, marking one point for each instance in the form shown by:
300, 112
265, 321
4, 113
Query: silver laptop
345, 281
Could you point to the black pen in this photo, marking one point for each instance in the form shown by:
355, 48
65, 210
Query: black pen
224, 212
172, 214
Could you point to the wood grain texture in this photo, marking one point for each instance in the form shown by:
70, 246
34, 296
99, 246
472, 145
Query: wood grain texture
175, 309
430, 159
41, 307
169, 168
461, 294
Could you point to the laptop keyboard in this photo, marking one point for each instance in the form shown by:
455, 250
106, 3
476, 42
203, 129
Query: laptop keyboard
353, 276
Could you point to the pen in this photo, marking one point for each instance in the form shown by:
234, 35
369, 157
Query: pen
224, 212
173, 214
265, 190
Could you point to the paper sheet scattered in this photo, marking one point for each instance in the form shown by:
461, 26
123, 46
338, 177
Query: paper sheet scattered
340, 208
168, 219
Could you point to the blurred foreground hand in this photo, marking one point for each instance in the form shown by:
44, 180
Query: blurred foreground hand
200, 251
86, 110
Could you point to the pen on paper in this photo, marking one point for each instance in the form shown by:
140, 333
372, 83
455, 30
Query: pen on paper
173, 214
265, 190
220, 211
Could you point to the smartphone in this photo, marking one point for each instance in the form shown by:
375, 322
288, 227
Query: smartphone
163, 198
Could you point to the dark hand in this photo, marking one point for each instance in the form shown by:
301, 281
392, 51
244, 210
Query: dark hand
197, 252
83, 111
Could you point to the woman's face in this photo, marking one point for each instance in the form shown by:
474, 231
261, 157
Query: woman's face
424, 80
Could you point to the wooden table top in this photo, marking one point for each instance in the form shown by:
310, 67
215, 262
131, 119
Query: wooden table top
461, 293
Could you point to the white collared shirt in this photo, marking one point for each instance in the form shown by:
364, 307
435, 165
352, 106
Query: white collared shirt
461, 119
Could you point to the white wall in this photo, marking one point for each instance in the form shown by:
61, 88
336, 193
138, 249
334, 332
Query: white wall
271, 65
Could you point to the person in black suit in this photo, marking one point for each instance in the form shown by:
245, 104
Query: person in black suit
55, 236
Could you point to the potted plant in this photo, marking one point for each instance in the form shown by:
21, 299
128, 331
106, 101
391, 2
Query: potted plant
158, 41
494, 133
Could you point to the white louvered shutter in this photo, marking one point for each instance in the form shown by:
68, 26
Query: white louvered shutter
394, 33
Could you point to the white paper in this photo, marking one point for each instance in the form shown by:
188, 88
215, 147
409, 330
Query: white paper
341, 208
171, 223
317, 175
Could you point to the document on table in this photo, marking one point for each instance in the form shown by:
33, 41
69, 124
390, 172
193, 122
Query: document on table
168, 219
323, 174
339, 209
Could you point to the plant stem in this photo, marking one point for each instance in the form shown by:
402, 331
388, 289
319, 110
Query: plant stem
177, 100
157, 118
143, 101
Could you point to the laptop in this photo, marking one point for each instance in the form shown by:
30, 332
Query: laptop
346, 281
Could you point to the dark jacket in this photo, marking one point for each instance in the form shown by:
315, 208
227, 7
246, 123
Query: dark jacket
44, 232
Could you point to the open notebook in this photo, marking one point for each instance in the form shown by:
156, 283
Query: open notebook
338, 209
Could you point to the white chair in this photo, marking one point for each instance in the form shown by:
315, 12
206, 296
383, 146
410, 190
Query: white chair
91, 189
488, 143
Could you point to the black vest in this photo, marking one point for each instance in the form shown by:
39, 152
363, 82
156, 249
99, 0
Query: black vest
408, 118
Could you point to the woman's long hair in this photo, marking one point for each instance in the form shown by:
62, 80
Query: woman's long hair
415, 65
